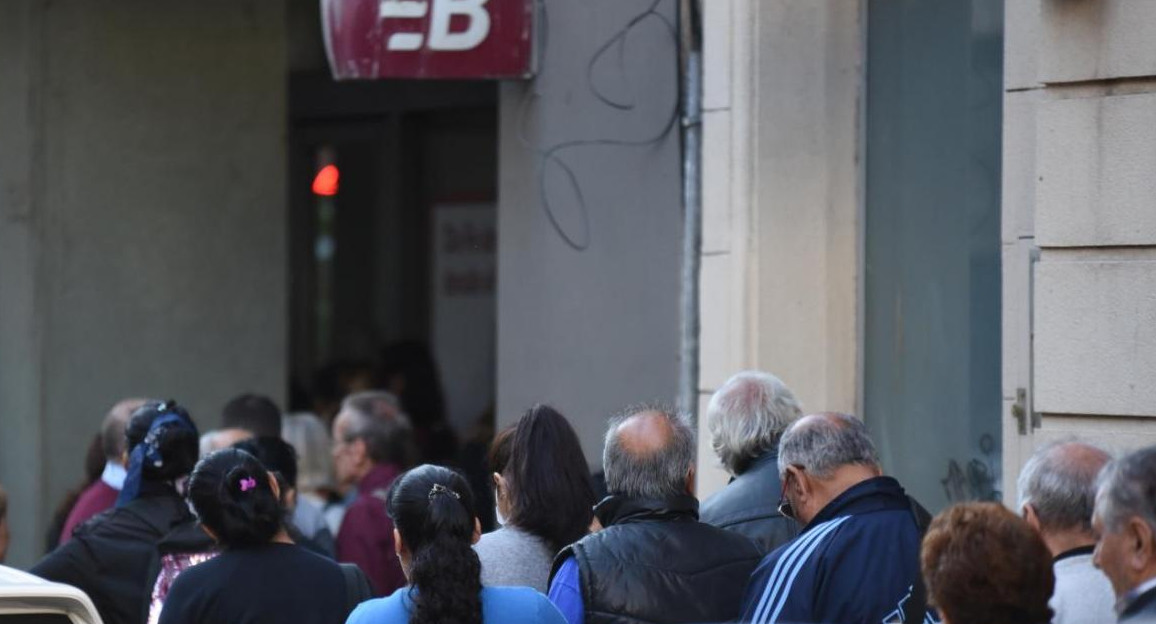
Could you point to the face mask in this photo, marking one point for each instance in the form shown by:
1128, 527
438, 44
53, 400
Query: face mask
499, 516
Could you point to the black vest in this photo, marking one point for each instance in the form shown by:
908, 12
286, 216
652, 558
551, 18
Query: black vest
655, 562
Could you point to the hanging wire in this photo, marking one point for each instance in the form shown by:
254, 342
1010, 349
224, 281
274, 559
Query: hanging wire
552, 156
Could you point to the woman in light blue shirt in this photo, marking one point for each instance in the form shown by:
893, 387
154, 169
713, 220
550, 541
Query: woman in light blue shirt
435, 525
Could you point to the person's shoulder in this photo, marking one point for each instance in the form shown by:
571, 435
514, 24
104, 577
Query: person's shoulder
367, 506
507, 538
518, 604
493, 539
388, 610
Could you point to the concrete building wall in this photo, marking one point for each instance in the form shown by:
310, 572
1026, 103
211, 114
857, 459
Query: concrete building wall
782, 211
1079, 157
142, 223
589, 219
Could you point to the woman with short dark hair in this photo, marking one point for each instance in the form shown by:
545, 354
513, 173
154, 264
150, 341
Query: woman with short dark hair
544, 494
261, 575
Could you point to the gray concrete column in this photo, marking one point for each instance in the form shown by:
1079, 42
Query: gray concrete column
142, 223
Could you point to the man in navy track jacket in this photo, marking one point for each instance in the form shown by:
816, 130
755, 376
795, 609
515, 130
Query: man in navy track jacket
856, 560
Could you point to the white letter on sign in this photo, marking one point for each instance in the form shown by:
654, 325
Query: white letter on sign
440, 37
403, 9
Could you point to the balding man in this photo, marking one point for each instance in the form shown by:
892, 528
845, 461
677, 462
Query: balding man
857, 557
1125, 523
1057, 495
102, 493
746, 418
653, 561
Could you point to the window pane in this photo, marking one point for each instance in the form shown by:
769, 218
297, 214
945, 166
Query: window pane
932, 353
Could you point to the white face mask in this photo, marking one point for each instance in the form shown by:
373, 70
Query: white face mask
498, 514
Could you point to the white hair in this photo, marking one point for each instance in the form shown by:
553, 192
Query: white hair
1059, 482
747, 416
1125, 490
310, 438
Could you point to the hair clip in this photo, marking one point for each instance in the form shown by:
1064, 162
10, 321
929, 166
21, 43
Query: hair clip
441, 489
248, 483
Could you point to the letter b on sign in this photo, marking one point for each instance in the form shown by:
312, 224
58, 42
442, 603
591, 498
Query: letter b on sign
440, 37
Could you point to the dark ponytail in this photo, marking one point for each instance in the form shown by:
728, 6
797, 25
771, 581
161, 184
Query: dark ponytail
231, 495
433, 510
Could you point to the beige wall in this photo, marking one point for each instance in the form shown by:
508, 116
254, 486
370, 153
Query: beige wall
142, 223
1079, 157
782, 196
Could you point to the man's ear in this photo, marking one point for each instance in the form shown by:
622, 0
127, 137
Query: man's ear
1141, 547
1030, 516
690, 480
477, 531
800, 484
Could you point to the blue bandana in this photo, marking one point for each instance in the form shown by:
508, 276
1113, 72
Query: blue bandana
149, 452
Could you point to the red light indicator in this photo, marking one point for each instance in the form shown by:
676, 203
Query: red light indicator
325, 183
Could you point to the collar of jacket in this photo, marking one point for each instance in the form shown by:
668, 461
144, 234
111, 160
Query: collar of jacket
767, 461
874, 494
1137, 599
380, 477
616, 509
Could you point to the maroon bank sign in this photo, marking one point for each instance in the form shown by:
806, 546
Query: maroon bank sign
428, 38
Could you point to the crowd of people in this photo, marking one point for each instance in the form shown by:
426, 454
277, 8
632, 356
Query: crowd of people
273, 518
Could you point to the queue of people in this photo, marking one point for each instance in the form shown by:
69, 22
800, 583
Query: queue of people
186, 529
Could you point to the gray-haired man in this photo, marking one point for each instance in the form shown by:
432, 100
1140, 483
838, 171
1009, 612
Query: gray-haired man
1057, 493
654, 561
857, 557
746, 418
1125, 525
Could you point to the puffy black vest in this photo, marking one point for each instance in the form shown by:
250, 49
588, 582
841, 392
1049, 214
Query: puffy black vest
654, 562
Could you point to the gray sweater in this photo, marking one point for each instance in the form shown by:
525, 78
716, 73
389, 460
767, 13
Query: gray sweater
511, 556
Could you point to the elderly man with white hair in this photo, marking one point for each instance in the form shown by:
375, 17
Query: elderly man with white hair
746, 418
1057, 493
1125, 525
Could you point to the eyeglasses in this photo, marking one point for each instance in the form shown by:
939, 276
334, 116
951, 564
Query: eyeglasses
785, 508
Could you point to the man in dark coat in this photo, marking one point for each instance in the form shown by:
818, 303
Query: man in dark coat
653, 561
746, 417
1125, 521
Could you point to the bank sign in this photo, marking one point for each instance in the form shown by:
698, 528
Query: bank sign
368, 39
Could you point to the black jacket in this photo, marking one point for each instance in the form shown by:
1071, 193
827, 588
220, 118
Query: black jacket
114, 556
748, 505
655, 562
1140, 609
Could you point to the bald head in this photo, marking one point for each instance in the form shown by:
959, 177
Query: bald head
645, 433
649, 453
1059, 483
112, 440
